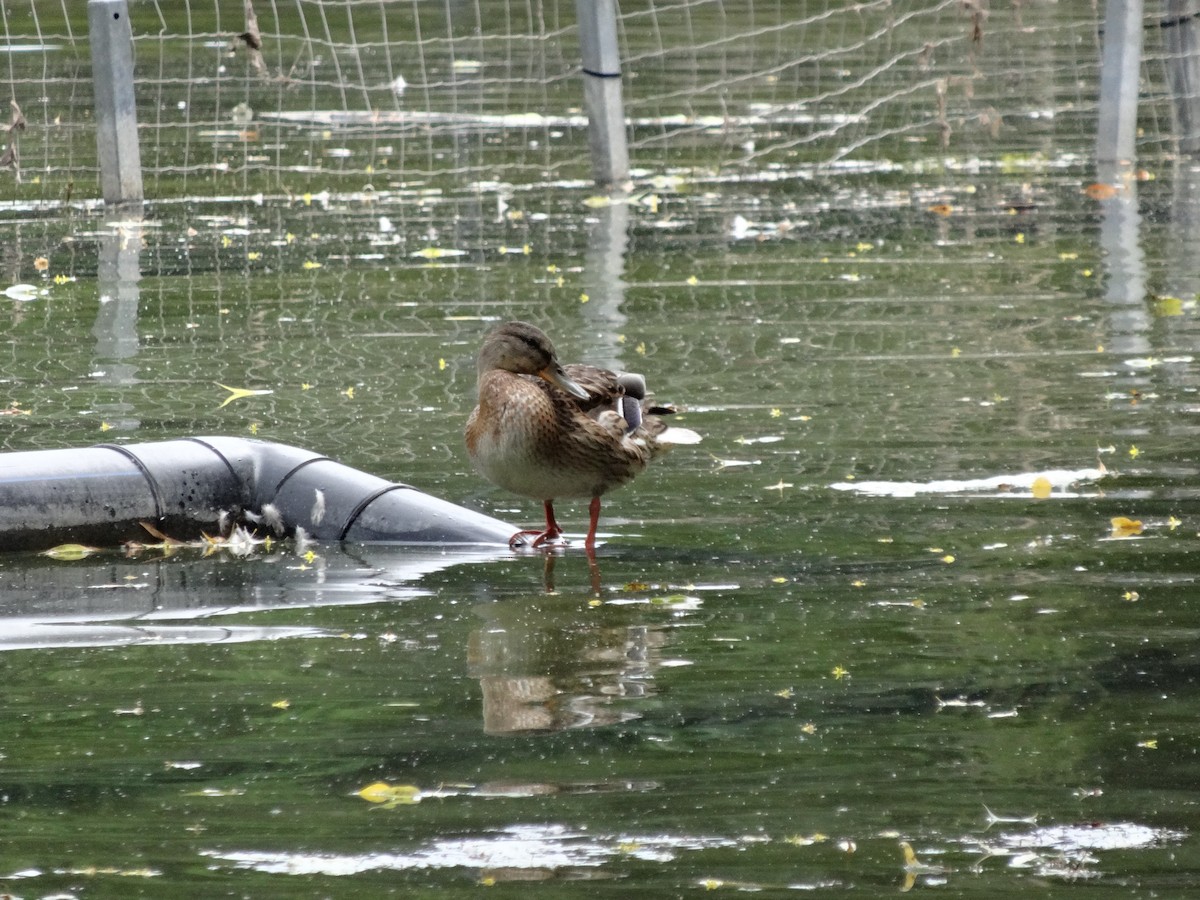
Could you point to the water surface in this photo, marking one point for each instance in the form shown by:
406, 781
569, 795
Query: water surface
883, 602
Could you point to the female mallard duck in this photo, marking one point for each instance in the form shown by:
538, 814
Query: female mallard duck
546, 430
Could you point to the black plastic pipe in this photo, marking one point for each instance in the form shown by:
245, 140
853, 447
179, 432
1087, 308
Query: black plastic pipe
100, 496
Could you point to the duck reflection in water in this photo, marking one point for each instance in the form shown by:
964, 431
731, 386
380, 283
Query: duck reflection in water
548, 431
539, 669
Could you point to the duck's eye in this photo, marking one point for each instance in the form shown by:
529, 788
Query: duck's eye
534, 348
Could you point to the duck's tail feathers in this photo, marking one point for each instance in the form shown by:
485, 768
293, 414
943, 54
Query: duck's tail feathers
634, 406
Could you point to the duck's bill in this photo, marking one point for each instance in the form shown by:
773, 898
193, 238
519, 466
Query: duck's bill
560, 380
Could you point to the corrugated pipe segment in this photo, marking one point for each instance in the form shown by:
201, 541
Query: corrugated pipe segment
100, 495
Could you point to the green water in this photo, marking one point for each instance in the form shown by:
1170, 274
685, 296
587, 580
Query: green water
804, 650
842, 622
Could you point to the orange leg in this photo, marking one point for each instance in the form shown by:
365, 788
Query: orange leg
541, 537
593, 519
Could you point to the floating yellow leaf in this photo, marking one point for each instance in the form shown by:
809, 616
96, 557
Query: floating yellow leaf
786, 693
239, 393
1131, 596
1173, 523
913, 866
1134, 452
1151, 744
809, 728
70, 552
839, 673
349, 392
1125, 527
441, 365
311, 264
584, 298
776, 412
1041, 487
1168, 306
438, 253
693, 280
391, 795
281, 704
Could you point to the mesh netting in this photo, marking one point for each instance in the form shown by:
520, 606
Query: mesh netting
300, 95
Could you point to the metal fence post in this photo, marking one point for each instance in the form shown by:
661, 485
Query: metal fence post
1120, 67
602, 90
111, 38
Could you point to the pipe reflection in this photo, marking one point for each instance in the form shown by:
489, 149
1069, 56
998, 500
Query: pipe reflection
603, 280
116, 326
1125, 290
109, 600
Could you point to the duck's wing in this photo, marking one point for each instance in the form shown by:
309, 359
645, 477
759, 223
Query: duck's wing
625, 395
603, 387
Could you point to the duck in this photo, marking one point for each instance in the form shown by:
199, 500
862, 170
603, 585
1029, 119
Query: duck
548, 431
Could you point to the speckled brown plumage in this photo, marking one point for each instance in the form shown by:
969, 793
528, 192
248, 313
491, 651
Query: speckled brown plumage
547, 431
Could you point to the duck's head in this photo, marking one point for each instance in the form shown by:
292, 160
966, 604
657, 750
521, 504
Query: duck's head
524, 349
